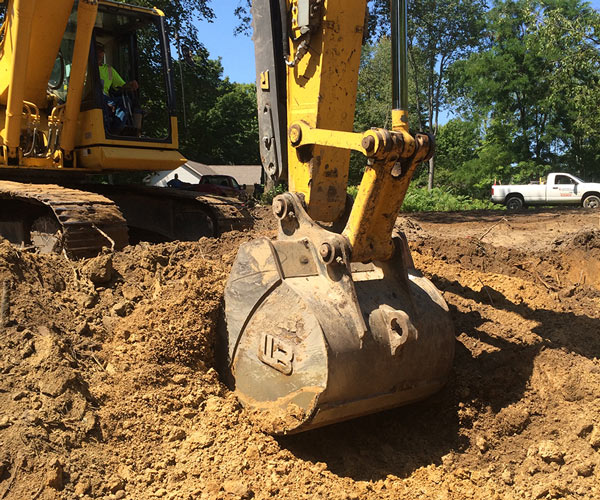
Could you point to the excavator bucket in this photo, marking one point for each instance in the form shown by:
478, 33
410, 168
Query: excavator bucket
312, 339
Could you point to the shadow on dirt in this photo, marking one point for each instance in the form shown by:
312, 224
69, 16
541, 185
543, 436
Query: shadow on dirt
402, 440
576, 332
393, 442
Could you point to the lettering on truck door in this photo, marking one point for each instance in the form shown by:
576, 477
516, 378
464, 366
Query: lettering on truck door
564, 189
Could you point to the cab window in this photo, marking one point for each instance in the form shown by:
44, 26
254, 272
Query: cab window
132, 43
563, 179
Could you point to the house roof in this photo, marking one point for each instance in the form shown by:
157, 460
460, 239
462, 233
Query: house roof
198, 168
244, 174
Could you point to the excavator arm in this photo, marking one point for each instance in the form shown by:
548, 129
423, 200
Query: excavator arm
331, 320
312, 117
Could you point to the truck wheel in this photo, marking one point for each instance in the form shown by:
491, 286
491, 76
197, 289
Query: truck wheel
514, 203
591, 201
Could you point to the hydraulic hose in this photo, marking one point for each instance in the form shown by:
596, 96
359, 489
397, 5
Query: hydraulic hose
285, 38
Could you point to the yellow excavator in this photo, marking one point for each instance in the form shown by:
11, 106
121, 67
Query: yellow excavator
331, 320
56, 133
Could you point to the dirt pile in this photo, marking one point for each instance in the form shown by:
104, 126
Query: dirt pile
76, 331
108, 388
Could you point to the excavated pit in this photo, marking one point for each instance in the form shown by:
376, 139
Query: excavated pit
108, 388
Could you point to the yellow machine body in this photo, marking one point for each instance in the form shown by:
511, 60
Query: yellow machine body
70, 132
317, 96
57, 126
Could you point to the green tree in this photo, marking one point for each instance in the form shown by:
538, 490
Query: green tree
374, 96
571, 43
374, 92
232, 121
535, 82
222, 126
440, 32
181, 15
457, 145
198, 93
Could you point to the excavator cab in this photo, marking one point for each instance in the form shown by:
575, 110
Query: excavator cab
133, 49
128, 45
56, 150
331, 320
50, 56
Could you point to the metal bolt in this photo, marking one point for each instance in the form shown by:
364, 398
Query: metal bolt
295, 135
326, 252
368, 143
279, 208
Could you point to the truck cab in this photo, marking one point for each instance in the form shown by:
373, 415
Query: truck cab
221, 185
563, 187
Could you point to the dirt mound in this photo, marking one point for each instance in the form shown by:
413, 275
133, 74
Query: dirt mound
580, 258
570, 267
72, 329
108, 387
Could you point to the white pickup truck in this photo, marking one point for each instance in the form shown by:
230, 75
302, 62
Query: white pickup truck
560, 189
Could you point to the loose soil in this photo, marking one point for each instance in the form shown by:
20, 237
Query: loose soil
108, 388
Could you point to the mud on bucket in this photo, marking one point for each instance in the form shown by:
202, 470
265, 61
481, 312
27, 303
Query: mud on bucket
308, 344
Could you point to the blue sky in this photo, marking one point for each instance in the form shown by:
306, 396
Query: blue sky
237, 52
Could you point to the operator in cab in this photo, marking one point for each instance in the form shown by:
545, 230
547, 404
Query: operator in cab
118, 107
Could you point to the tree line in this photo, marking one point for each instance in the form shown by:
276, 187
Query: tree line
519, 79
216, 117
510, 89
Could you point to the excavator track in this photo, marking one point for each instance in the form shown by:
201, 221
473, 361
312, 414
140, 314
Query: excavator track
176, 214
85, 222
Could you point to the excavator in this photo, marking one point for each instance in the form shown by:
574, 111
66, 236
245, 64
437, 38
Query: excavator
331, 320
57, 153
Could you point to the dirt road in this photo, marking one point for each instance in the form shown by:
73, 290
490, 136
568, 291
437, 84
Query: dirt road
108, 388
